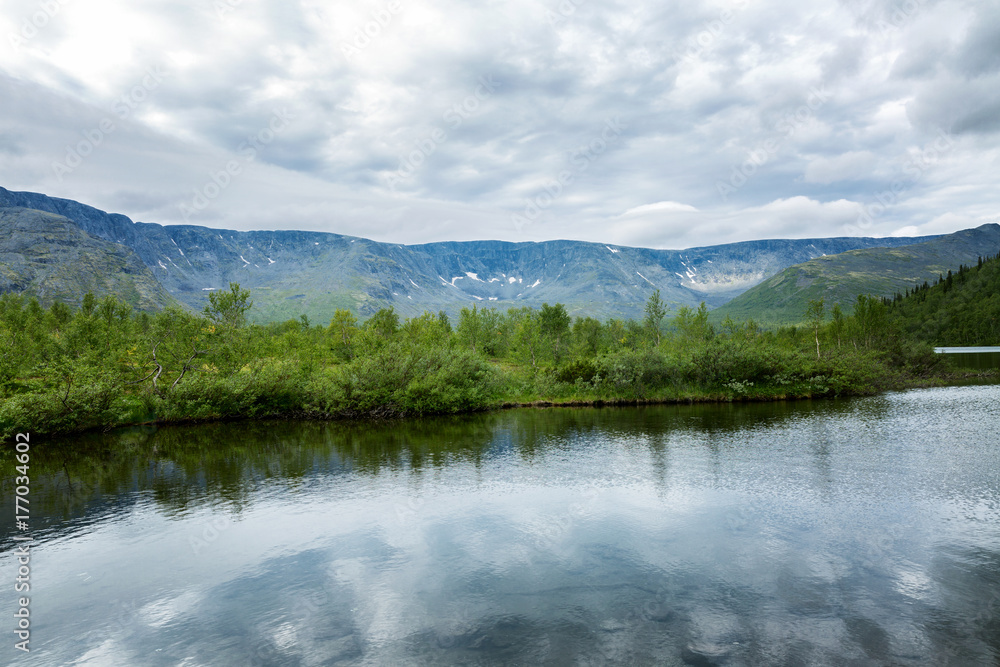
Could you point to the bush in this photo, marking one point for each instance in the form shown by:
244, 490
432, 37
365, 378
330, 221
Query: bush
273, 388
450, 382
847, 373
80, 401
578, 369
397, 381
633, 373
726, 361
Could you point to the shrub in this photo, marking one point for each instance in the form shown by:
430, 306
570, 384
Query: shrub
397, 381
633, 373
726, 361
578, 369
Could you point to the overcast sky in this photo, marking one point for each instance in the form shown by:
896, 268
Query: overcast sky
662, 124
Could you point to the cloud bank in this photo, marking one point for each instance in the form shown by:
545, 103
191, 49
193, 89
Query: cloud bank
664, 124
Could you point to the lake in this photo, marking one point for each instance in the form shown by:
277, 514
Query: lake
862, 531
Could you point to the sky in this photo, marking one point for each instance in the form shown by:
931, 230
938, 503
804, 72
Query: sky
665, 124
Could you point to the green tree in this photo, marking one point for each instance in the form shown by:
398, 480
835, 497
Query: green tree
471, 329
229, 308
379, 330
527, 334
61, 314
837, 323
343, 327
870, 322
554, 322
425, 332
656, 310
589, 337
174, 341
494, 341
444, 321
88, 303
693, 325
815, 312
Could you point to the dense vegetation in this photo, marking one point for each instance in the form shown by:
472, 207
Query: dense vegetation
103, 364
961, 309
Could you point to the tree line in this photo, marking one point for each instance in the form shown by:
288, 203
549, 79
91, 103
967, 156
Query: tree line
959, 309
102, 364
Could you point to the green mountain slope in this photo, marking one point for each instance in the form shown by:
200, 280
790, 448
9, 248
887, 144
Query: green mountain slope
961, 310
49, 257
782, 299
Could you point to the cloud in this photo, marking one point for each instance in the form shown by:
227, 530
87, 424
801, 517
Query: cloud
853, 165
394, 136
659, 207
909, 230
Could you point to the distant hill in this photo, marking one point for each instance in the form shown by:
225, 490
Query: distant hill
782, 299
49, 257
963, 309
293, 272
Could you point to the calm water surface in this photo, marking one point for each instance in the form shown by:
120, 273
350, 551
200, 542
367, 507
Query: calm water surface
861, 532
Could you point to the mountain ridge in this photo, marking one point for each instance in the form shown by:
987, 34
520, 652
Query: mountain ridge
47, 256
881, 272
293, 272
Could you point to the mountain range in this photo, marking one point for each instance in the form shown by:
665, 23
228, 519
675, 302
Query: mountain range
783, 298
77, 247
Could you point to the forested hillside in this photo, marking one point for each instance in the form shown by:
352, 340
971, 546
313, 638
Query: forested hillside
840, 278
959, 309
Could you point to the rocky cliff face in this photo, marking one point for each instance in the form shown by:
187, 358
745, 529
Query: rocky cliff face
49, 257
293, 272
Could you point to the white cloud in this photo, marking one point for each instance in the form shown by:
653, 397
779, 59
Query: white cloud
659, 207
693, 113
851, 166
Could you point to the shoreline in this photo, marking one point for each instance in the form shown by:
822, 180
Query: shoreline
389, 414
